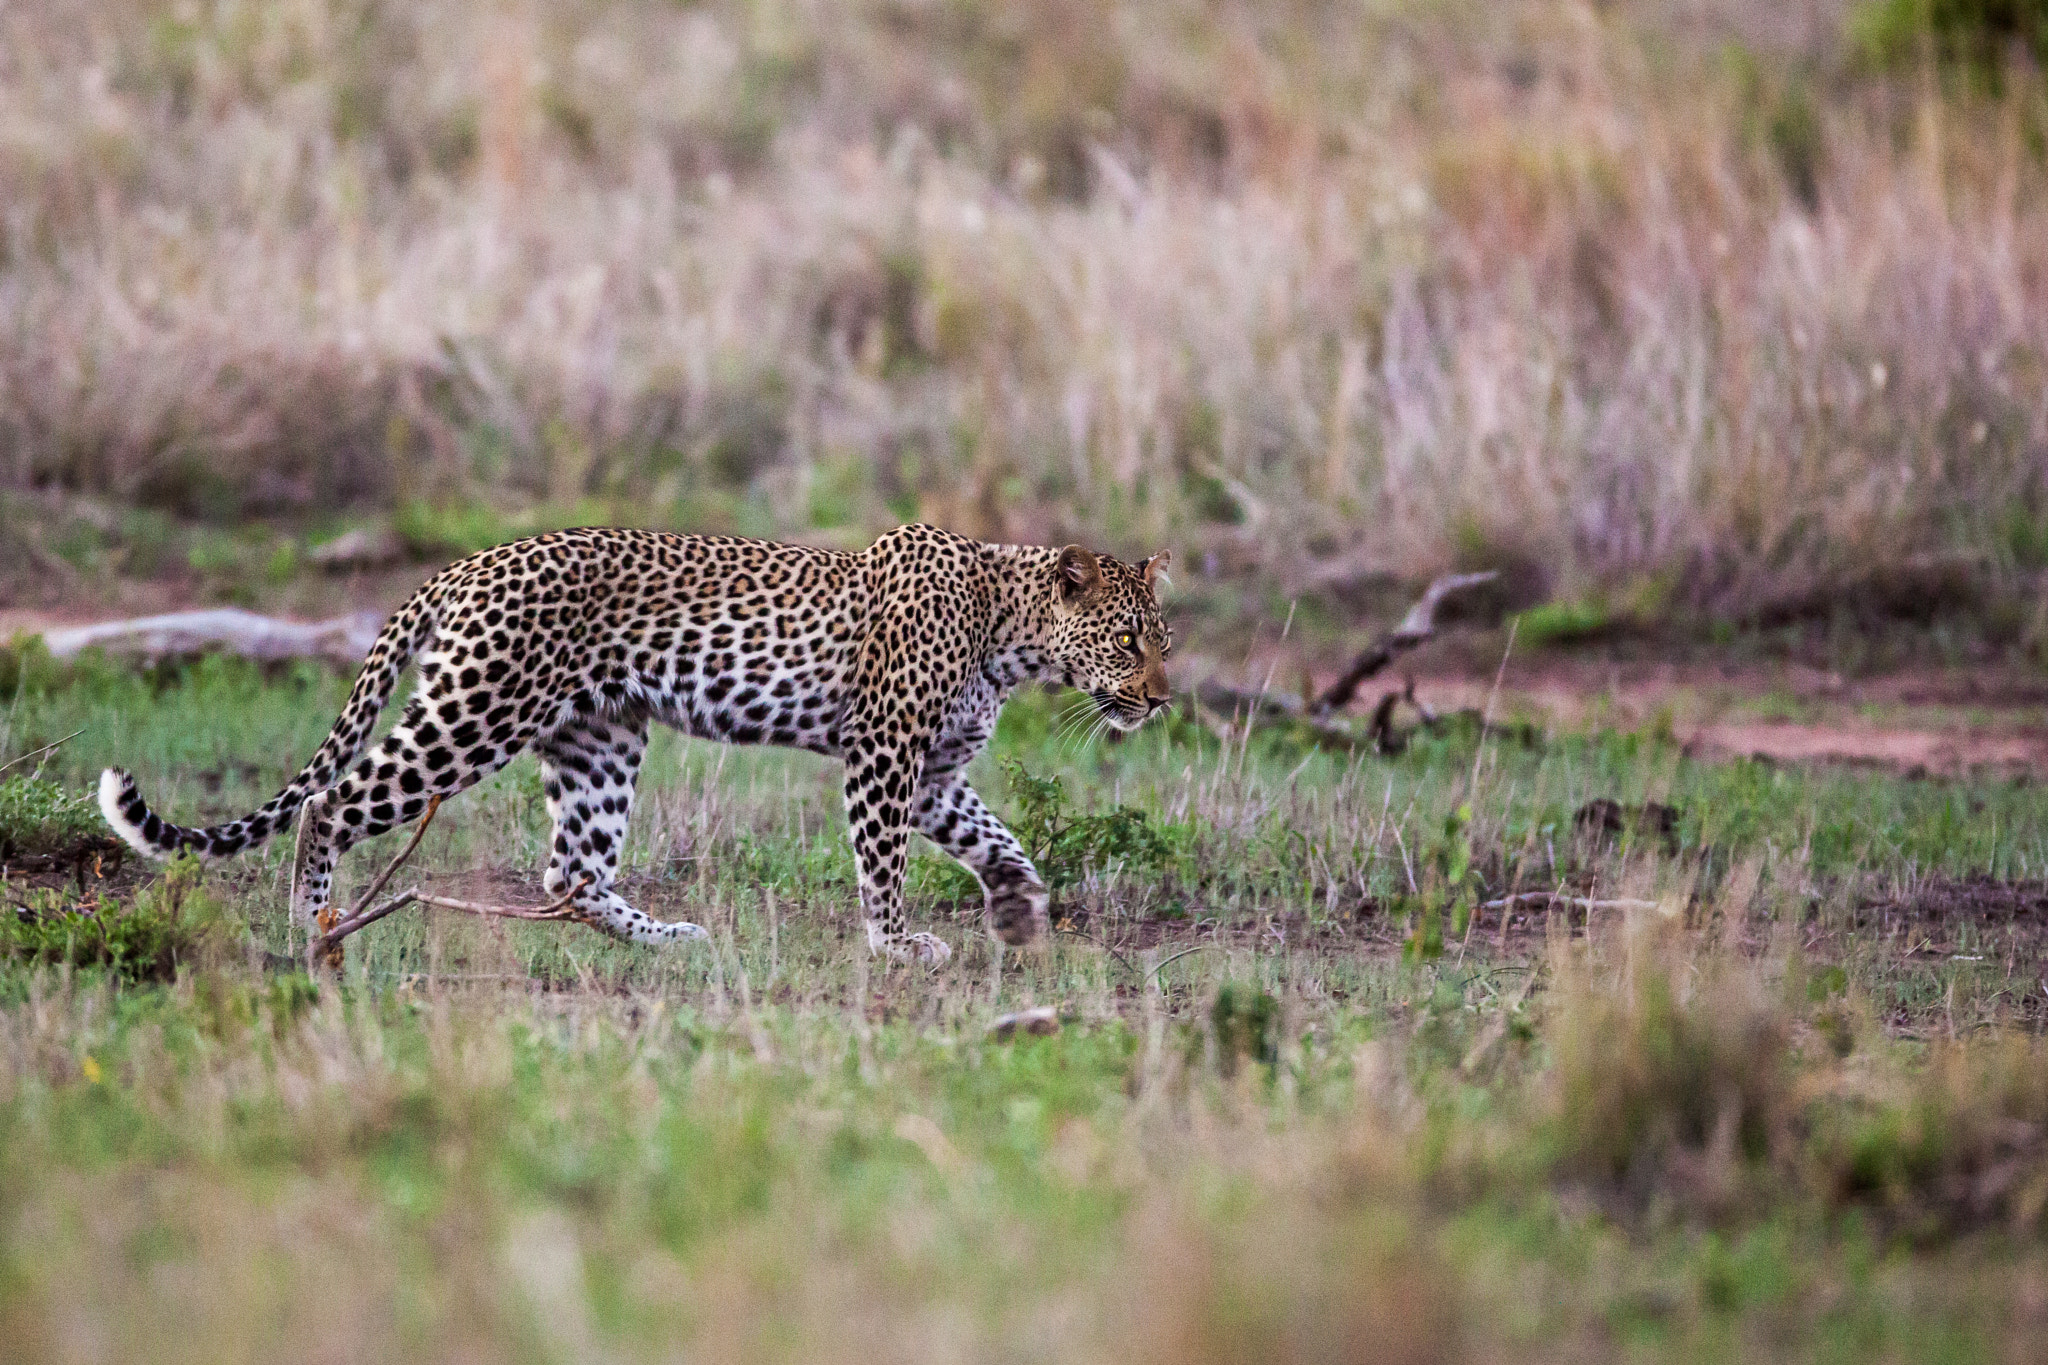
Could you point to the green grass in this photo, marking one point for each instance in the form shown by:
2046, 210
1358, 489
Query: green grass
1736, 1127
168, 925
41, 819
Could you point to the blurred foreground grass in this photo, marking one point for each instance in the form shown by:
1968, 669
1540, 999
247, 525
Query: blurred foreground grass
1784, 1103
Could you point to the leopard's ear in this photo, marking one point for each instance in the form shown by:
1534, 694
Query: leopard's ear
1155, 566
1079, 574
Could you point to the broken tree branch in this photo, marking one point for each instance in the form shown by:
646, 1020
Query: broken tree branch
1416, 628
324, 947
560, 908
419, 832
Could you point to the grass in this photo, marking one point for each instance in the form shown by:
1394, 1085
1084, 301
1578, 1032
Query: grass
43, 820
169, 925
1786, 1104
1720, 311
1668, 312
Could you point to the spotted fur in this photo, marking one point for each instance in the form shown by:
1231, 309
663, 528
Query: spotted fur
894, 660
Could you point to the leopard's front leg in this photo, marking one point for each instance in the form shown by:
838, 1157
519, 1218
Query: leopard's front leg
952, 815
882, 769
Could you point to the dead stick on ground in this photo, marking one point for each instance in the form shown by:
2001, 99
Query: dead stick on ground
419, 832
557, 909
361, 914
1416, 628
323, 942
1559, 898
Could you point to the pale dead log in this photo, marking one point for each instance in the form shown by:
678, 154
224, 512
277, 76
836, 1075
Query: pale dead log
1574, 902
343, 640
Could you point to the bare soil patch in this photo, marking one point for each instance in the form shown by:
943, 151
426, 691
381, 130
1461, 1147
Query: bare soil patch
1937, 722
1980, 751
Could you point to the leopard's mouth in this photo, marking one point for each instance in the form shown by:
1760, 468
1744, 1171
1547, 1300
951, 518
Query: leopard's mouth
1121, 712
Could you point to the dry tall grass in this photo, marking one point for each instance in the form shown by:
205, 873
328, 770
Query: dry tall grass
1672, 300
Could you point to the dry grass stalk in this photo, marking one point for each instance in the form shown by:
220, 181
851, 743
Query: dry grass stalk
1536, 292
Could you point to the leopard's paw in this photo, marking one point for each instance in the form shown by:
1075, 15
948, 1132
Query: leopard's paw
1020, 913
927, 948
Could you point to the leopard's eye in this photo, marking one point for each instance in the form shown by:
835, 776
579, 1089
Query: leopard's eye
1126, 640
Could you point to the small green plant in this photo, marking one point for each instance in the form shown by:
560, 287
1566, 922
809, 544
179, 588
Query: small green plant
171, 922
1563, 623
1447, 883
44, 824
1065, 845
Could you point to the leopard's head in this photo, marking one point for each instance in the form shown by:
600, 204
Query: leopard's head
1108, 638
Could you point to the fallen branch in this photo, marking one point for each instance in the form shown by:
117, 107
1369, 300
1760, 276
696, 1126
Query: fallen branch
557, 909
325, 947
342, 640
419, 832
1416, 628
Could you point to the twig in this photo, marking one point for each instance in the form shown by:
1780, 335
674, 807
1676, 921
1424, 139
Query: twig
361, 914
45, 749
1559, 898
556, 909
1185, 952
1082, 933
323, 944
419, 832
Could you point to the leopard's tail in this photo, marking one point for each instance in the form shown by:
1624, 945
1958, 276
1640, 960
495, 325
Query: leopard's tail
403, 636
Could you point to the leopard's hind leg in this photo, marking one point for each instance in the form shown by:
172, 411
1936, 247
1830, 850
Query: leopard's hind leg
588, 769
391, 785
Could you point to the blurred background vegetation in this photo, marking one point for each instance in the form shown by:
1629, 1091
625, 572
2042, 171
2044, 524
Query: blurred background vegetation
1671, 309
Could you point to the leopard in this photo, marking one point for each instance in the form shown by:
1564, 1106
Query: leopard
895, 660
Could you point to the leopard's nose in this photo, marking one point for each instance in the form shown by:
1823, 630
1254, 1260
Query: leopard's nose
1154, 703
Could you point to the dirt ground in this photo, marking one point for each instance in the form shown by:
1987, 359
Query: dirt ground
1926, 721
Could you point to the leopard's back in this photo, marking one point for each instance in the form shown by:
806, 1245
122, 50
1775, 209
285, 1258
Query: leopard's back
726, 638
